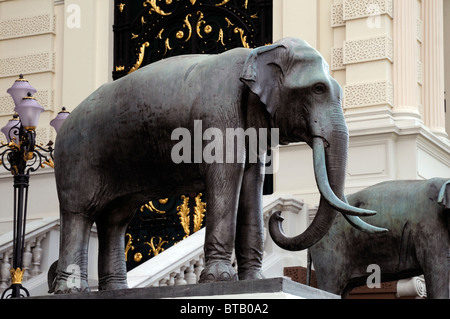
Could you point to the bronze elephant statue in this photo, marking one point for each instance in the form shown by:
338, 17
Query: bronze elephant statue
121, 147
417, 214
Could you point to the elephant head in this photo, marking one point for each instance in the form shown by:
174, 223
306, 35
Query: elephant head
292, 80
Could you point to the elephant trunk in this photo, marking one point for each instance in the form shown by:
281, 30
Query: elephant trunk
330, 171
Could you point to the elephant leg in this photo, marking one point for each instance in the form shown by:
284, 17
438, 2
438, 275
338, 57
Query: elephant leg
436, 281
71, 273
250, 229
329, 280
223, 184
436, 272
111, 228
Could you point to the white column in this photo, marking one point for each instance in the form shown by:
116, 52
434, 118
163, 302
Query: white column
405, 57
433, 56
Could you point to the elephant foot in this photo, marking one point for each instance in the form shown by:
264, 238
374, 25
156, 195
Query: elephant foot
253, 274
218, 271
112, 283
66, 286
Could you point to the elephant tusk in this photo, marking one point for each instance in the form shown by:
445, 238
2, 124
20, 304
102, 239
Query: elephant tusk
361, 225
320, 172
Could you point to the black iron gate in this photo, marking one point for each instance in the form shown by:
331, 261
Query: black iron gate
147, 31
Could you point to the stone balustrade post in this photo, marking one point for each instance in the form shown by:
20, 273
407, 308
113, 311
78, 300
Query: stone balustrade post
27, 256
4, 271
37, 255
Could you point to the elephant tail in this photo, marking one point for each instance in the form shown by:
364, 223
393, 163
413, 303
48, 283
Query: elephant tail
51, 277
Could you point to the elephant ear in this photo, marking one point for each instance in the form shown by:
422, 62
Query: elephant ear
444, 195
263, 73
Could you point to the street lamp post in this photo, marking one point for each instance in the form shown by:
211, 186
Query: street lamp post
21, 156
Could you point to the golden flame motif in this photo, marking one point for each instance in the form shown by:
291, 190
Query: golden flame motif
183, 212
199, 212
16, 275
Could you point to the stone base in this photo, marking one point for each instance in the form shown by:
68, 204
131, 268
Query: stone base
274, 288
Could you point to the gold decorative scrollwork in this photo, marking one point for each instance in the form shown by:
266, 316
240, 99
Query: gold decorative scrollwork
222, 3
151, 207
156, 8
128, 246
179, 34
188, 25
243, 37
159, 36
140, 58
229, 22
137, 257
121, 6
199, 23
49, 163
163, 201
167, 25
167, 46
156, 249
207, 29
220, 38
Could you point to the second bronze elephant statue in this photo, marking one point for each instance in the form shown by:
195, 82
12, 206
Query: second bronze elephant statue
417, 214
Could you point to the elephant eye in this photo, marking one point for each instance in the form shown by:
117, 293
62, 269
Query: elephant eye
319, 88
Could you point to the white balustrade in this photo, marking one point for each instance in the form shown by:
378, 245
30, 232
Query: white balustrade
32, 255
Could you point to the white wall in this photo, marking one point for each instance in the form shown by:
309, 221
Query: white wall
65, 51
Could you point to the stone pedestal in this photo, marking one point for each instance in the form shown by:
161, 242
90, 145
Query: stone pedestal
274, 288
